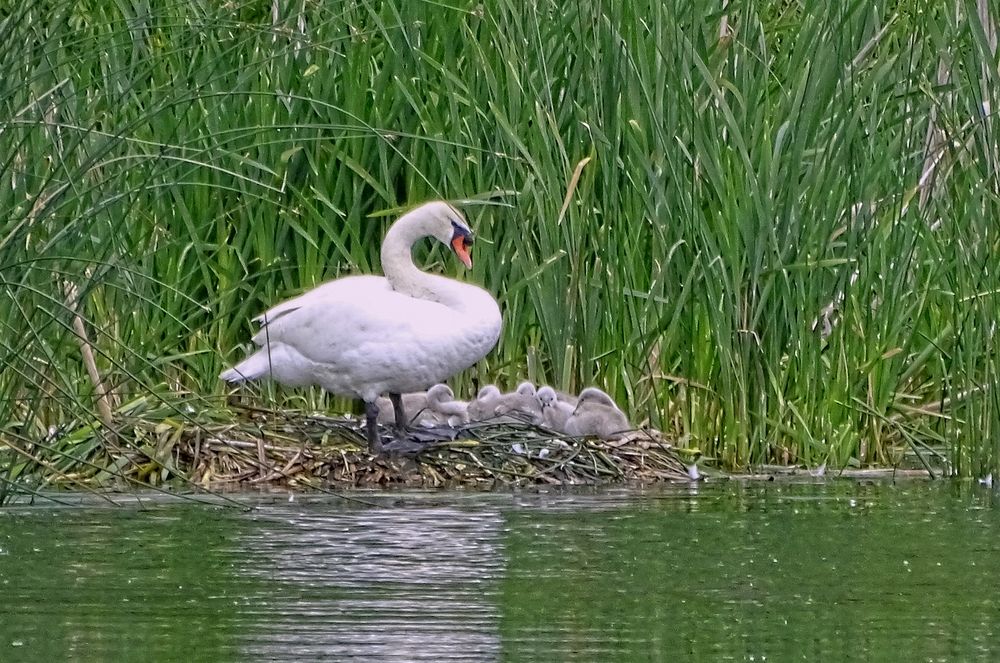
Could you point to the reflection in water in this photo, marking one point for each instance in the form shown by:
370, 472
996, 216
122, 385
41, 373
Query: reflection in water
388, 584
826, 571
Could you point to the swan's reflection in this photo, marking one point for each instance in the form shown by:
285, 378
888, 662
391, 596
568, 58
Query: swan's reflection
417, 583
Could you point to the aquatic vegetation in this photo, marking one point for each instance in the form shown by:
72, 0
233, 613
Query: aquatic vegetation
770, 233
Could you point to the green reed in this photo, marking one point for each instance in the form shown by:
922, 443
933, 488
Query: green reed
768, 228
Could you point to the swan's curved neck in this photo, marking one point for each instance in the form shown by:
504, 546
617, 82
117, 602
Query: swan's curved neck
405, 277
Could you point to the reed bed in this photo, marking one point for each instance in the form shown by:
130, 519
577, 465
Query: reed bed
767, 228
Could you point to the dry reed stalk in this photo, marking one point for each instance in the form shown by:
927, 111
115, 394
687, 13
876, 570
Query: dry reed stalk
934, 142
101, 393
725, 33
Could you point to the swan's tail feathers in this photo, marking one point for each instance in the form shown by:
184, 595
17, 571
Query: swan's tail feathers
251, 368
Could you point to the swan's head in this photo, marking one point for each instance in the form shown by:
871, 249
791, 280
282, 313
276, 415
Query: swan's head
448, 226
546, 396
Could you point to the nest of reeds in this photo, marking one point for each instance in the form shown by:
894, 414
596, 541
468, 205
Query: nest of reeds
281, 448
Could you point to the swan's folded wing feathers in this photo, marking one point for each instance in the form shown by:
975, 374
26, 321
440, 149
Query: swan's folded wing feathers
339, 331
350, 286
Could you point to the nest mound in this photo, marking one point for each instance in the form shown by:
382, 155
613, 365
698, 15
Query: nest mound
280, 448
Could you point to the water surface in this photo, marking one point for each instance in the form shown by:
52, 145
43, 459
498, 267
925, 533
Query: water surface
832, 571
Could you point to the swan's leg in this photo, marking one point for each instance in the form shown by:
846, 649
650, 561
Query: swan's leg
371, 428
397, 408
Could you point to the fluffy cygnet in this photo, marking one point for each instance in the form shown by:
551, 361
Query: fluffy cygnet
448, 410
555, 411
484, 405
520, 406
596, 415
422, 407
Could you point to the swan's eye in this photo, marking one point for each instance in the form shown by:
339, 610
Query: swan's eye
460, 231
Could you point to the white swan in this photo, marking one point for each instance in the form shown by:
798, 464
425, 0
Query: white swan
363, 336
596, 415
555, 411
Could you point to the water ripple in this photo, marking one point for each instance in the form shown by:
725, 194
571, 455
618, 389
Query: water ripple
836, 571
394, 584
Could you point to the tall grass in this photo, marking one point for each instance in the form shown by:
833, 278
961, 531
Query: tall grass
767, 227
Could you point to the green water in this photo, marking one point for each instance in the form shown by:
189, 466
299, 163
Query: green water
765, 572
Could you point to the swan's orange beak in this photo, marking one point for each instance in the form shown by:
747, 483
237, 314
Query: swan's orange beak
460, 244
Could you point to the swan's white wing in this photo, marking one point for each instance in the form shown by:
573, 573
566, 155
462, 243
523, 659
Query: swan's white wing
359, 331
338, 288
353, 311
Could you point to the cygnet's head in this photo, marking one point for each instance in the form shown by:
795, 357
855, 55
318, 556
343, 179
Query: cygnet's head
488, 391
526, 388
546, 396
595, 395
440, 393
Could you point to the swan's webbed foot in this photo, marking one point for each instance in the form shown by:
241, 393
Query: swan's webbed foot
404, 446
418, 440
402, 442
406, 441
